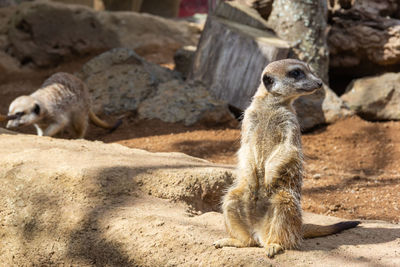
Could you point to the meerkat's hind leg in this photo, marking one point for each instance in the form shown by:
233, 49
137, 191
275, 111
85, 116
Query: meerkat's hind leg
237, 229
80, 125
282, 228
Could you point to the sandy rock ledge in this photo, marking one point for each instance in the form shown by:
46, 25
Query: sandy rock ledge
87, 203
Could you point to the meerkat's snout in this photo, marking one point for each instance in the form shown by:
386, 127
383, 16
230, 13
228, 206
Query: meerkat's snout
318, 84
303, 80
318, 81
23, 111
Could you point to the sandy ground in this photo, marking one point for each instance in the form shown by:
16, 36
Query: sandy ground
84, 203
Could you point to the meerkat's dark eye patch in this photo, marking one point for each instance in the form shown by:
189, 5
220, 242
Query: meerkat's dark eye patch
20, 114
296, 74
36, 109
267, 81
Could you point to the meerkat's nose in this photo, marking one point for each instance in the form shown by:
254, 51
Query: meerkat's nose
320, 83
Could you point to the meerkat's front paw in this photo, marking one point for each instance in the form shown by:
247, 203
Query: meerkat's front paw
228, 242
273, 249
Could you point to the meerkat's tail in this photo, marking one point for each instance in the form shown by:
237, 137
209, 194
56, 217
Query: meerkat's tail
313, 230
99, 122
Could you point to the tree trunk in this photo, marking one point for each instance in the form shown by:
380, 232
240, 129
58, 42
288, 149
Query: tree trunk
303, 23
230, 58
241, 12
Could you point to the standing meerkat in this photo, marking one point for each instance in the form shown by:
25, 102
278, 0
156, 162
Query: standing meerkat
262, 207
62, 101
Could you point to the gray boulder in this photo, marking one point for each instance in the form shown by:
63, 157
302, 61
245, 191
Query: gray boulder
324, 106
119, 80
176, 101
46, 32
375, 98
6, 3
8, 63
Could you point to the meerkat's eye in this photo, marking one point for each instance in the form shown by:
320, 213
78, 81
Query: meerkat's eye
20, 114
268, 81
296, 74
36, 109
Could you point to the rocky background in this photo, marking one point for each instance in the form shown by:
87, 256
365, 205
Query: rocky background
362, 40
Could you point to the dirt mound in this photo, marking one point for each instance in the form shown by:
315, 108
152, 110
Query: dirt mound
352, 166
87, 203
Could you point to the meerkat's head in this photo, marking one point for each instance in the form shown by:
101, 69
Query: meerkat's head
288, 79
24, 110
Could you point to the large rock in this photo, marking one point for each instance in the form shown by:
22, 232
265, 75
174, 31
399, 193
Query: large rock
176, 101
81, 203
363, 40
119, 80
8, 63
6, 3
45, 32
384, 8
322, 107
6, 14
142, 31
375, 98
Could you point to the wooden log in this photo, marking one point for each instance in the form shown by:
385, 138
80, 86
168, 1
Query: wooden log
230, 58
95, 4
241, 13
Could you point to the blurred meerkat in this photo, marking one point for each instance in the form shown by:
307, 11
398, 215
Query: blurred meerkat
262, 207
62, 101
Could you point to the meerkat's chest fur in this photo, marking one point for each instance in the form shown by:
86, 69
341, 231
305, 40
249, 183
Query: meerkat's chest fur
264, 130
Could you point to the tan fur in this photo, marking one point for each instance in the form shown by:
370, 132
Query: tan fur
262, 208
62, 102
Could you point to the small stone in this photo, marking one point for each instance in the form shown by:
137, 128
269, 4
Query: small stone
317, 176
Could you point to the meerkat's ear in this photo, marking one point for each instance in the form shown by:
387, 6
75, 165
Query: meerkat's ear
36, 109
268, 81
